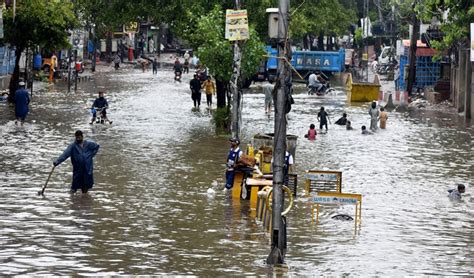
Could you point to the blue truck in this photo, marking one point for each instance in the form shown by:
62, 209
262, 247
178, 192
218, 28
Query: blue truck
327, 62
307, 61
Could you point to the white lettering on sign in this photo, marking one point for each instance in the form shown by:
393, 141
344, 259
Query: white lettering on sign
317, 62
309, 61
335, 200
326, 62
299, 61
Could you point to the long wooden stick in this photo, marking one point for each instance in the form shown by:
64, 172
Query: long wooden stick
41, 192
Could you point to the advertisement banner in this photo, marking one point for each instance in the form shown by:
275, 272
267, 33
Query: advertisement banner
236, 25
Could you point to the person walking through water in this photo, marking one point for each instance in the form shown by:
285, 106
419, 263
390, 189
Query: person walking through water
383, 118
117, 61
210, 89
232, 158
323, 118
101, 104
22, 100
81, 153
374, 116
155, 66
268, 92
52, 67
342, 120
195, 86
186, 57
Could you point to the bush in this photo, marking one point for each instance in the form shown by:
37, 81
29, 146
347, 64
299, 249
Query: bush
221, 118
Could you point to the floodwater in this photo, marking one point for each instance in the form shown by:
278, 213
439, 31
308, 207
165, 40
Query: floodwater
149, 212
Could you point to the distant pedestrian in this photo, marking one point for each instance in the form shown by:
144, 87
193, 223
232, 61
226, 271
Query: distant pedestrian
311, 135
268, 92
365, 131
117, 61
323, 118
22, 100
195, 86
455, 194
374, 116
210, 89
186, 57
383, 118
342, 120
155, 66
81, 153
151, 46
52, 67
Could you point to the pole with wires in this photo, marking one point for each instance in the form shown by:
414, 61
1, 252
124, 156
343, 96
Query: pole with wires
283, 84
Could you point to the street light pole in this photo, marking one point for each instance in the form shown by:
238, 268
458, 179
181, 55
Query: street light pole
235, 85
278, 237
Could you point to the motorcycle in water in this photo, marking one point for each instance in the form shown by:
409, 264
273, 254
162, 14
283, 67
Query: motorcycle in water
99, 115
177, 76
320, 90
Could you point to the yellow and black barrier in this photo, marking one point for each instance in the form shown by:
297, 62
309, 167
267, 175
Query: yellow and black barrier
264, 207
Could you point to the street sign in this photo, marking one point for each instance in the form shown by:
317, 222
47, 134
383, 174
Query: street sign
236, 25
131, 27
326, 198
323, 181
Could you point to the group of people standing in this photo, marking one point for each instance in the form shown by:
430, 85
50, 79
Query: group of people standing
376, 116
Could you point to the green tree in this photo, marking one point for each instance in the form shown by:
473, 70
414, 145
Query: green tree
37, 23
216, 53
321, 18
455, 26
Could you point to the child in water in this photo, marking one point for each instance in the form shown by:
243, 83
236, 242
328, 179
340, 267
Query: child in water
311, 135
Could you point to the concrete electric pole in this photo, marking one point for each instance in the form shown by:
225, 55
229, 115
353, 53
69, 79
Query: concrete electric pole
235, 85
278, 237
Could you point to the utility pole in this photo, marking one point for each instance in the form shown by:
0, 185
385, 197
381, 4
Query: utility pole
278, 237
412, 55
235, 85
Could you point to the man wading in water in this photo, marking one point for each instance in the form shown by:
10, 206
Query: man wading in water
81, 152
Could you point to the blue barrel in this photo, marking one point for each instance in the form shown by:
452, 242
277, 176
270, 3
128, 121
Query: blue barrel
37, 61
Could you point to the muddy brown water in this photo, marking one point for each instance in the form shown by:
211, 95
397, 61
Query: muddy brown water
149, 212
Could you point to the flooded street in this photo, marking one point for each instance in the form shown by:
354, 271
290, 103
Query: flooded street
149, 212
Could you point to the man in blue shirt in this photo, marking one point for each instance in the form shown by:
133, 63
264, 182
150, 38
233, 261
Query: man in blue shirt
100, 104
81, 153
22, 100
232, 158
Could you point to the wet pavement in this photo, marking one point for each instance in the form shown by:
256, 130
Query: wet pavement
149, 212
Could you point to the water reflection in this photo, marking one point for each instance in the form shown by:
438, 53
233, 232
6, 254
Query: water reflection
149, 212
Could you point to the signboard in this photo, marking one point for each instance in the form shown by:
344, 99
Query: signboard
321, 181
236, 25
336, 198
322, 176
472, 42
131, 27
1, 23
325, 198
